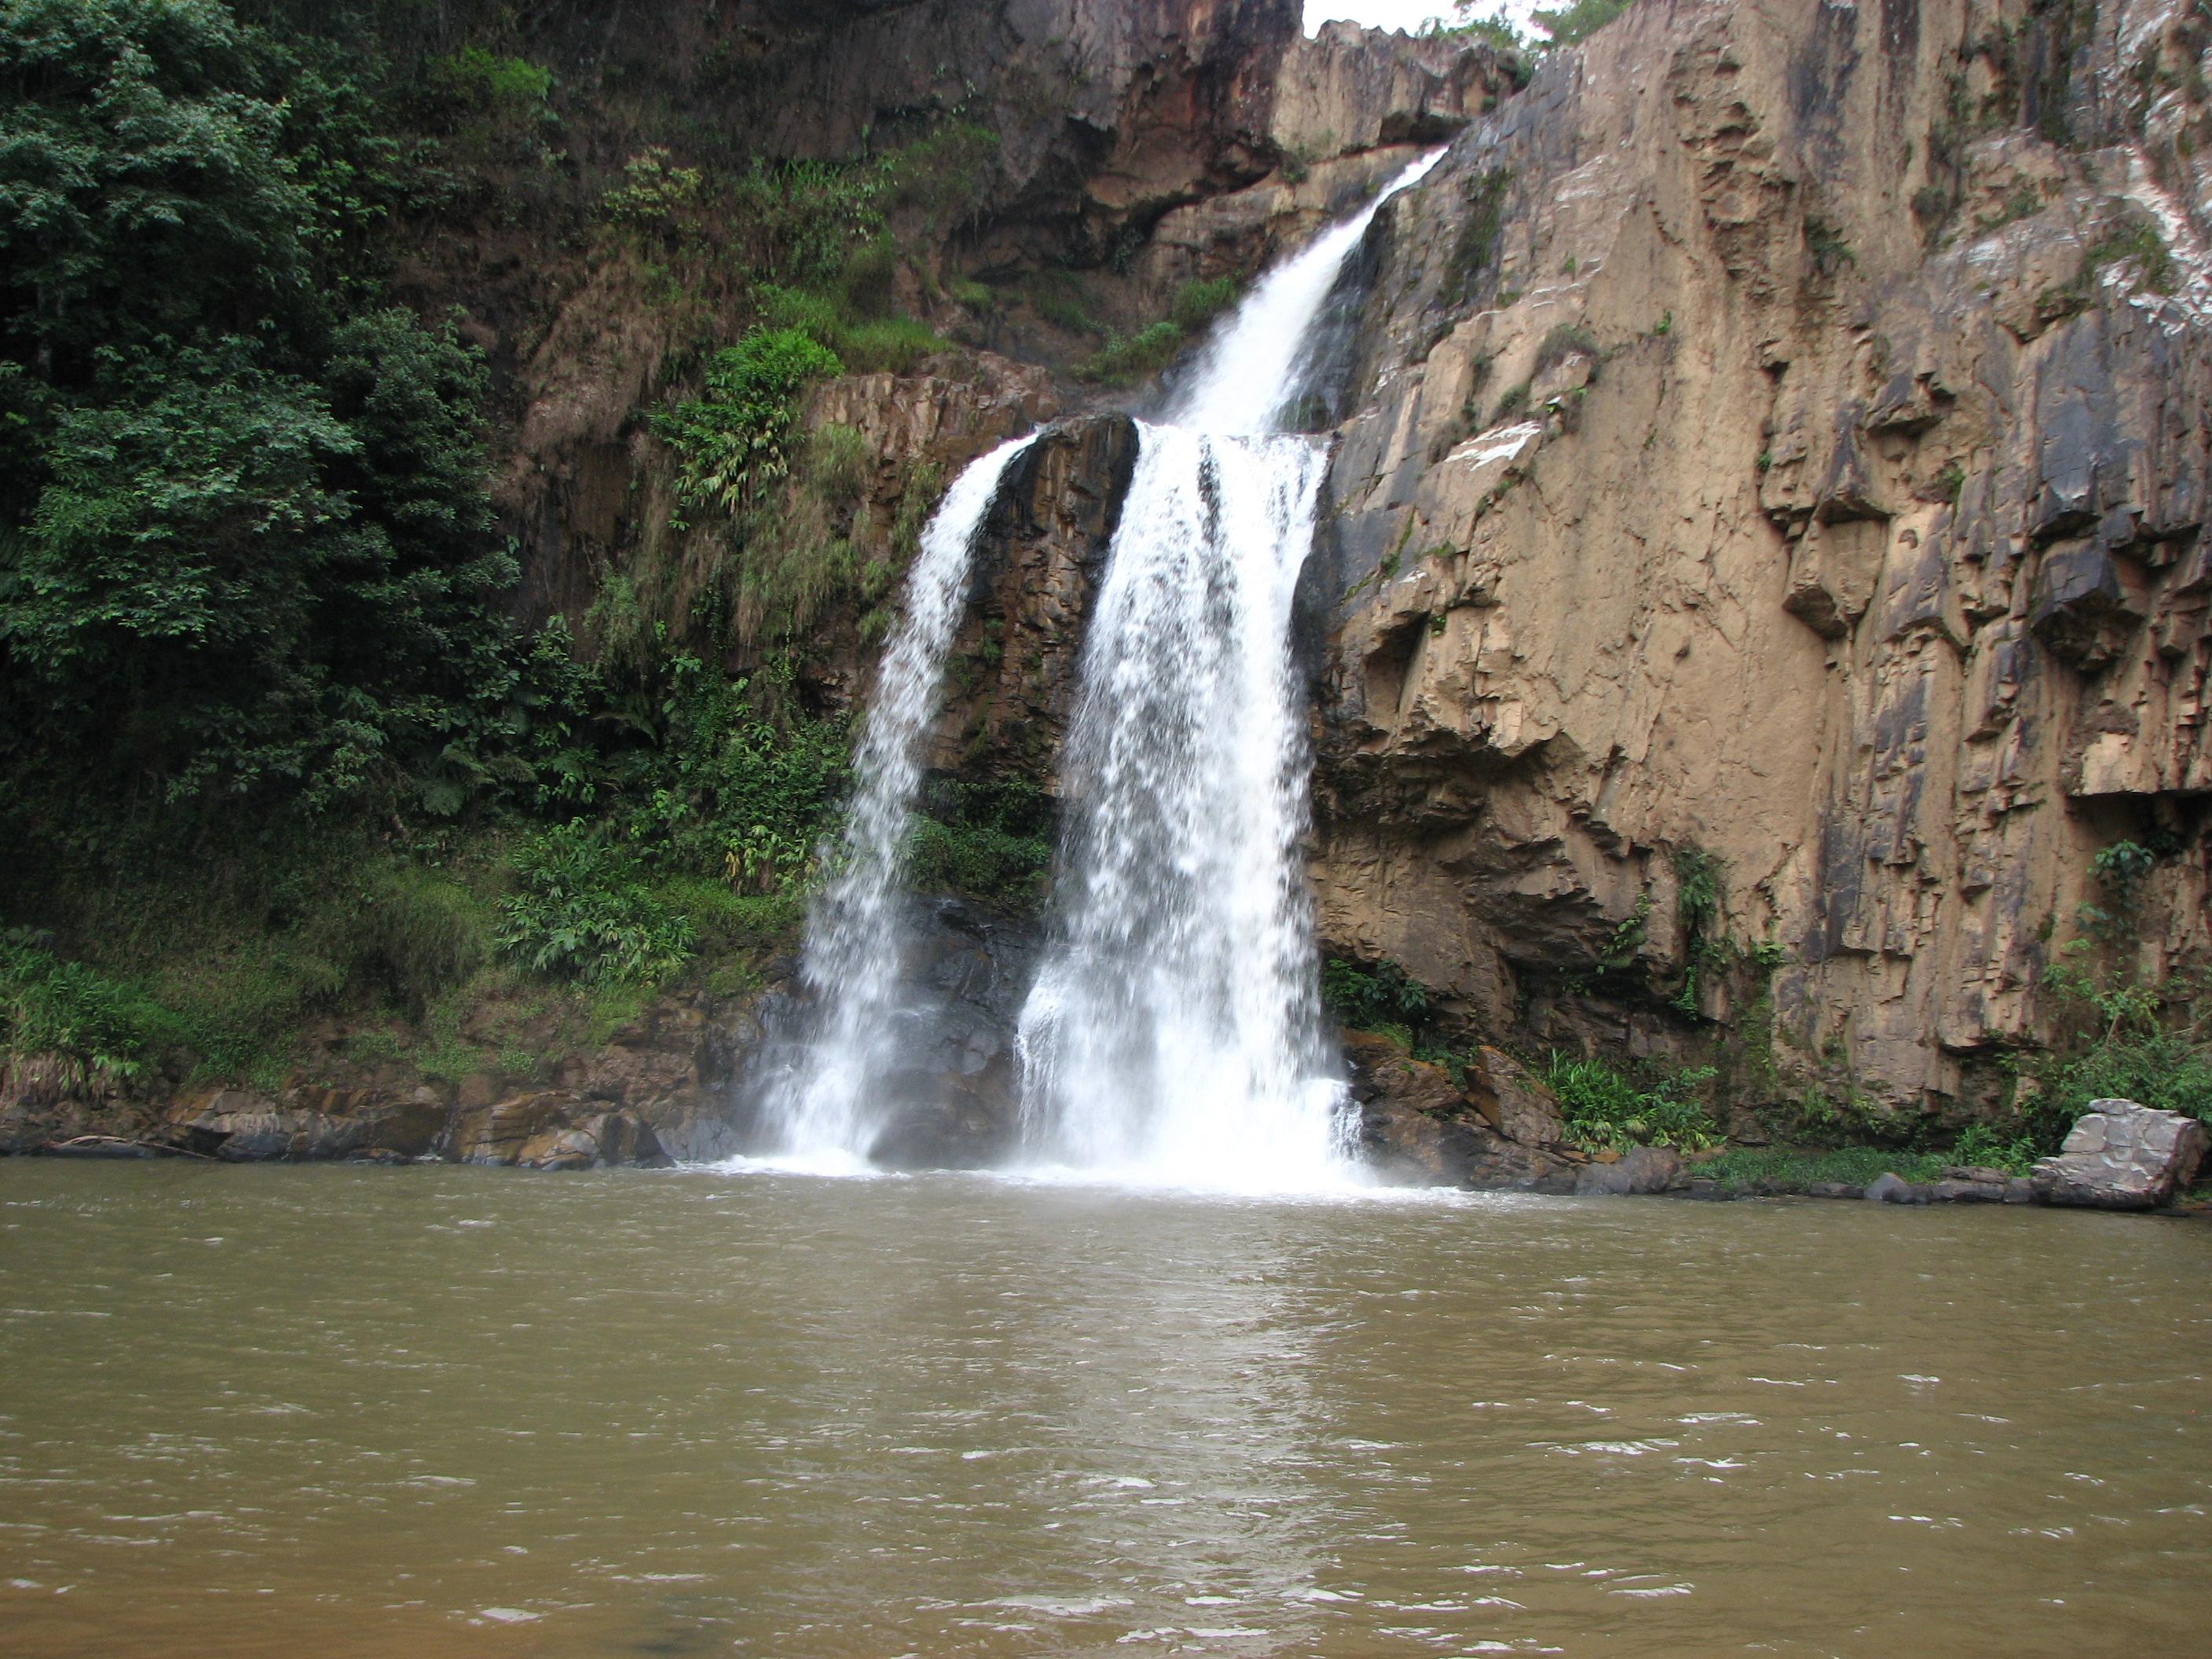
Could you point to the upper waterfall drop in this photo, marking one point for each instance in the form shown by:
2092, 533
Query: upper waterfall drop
824, 1110
1249, 372
1174, 1033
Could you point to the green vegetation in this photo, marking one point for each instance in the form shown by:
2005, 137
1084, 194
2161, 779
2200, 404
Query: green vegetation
1575, 21
1475, 250
2121, 1037
1127, 359
1379, 997
990, 841
583, 913
732, 439
1198, 303
1496, 30
98, 1030
1826, 243
1741, 1171
1700, 891
1607, 1110
1566, 340
1569, 25
2137, 242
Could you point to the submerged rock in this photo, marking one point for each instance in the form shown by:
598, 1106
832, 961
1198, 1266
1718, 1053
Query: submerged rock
2122, 1155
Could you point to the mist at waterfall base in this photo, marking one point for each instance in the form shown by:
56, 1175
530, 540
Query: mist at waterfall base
1173, 1035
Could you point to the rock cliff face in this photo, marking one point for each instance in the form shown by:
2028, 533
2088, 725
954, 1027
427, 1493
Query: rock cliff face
1780, 440
1137, 144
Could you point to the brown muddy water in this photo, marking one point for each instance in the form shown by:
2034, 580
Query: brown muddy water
455, 1412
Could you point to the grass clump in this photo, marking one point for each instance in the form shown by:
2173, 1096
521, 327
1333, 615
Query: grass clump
1124, 361
98, 1028
1744, 1171
1605, 1109
2139, 242
1198, 303
1564, 341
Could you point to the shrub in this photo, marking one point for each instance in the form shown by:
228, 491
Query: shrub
584, 912
1604, 1108
734, 437
653, 192
1368, 998
52, 1007
1124, 362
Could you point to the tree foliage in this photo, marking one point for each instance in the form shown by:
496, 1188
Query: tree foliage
245, 540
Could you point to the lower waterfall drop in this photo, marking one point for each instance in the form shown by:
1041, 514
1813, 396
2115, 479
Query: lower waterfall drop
1174, 1033
823, 1110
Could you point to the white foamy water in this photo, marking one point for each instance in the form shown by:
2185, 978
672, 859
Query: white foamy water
1174, 1034
823, 1113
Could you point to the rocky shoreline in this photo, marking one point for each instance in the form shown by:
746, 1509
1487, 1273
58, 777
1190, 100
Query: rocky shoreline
670, 1091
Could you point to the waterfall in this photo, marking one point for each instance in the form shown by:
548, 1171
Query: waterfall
824, 1108
1173, 1032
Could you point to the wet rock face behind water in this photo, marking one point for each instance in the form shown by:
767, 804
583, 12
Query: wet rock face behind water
953, 1096
1011, 681
1751, 455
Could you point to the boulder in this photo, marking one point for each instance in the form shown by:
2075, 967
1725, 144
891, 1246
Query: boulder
556, 1129
1512, 1102
1892, 1188
1418, 1127
1638, 1169
2122, 1155
254, 1130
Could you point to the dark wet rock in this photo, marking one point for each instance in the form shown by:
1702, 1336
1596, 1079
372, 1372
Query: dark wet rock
555, 1129
1891, 1188
1418, 1127
964, 970
1834, 1189
1640, 1169
2122, 1155
1966, 1192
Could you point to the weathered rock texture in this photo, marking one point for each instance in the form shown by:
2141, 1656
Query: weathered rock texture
1498, 1129
2122, 1155
1772, 439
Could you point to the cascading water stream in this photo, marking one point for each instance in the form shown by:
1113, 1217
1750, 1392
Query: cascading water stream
1173, 1032
825, 1110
